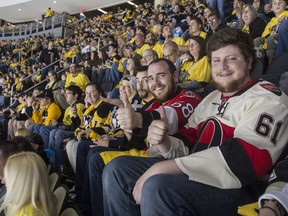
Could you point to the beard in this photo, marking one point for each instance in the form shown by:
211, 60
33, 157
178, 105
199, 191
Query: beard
166, 95
233, 86
142, 93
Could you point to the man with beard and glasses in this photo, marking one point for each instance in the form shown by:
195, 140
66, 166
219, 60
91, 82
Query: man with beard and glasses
216, 163
159, 82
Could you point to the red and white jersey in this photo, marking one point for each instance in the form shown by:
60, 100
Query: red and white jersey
178, 110
236, 140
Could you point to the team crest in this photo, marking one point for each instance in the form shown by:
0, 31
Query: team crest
272, 88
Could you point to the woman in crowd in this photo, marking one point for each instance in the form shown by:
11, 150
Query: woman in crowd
91, 64
18, 116
28, 190
197, 71
264, 10
53, 82
251, 23
207, 12
132, 63
44, 112
95, 123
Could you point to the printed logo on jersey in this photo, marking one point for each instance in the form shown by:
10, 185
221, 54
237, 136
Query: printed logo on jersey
210, 134
73, 83
87, 119
272, 88
115, 123
189, 94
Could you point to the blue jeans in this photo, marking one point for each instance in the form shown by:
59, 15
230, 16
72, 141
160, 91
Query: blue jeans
44, 132
85, 156
35, 128
96, 166
282, 46
164, 194
4, 101
56, 138
119, 178
218, 5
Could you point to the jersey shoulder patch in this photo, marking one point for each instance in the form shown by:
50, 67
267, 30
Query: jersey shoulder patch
272, 88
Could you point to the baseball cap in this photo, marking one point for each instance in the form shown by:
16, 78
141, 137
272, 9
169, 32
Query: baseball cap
34, 138
46, 94
131, 80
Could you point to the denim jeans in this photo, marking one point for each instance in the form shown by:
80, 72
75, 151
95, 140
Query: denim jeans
56, 138
82, 179
218, 5
44, 132
119, 178
164, 194
96, 166
35, 128
282, 45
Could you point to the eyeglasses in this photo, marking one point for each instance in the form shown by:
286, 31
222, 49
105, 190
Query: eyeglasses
211, 22
192, 44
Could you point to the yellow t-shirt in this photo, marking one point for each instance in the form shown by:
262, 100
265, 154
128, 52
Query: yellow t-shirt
80, 80
273, 22
68, 115
28, 210
107, 156
199, 71
47, 114
141, 49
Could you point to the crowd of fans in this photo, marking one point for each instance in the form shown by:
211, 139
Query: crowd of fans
134, 83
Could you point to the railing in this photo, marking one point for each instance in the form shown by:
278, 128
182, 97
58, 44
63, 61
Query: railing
66, 21
32, 87
58, 20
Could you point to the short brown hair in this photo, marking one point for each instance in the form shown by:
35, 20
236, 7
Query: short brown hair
232, 36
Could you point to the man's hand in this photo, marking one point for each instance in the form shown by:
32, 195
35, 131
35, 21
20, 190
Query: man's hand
53, 122
127, 118
73, 110
83, 134
158, 132
270, 206
35, 106
104, 140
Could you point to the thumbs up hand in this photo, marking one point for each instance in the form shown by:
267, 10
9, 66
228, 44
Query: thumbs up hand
158, 130
127, 118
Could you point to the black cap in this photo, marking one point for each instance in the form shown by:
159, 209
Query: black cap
46, 94
34, 138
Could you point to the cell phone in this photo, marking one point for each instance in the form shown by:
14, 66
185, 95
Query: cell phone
73, 105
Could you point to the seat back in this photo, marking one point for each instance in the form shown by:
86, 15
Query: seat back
61, 194
54, 180
258, 69
71, 210
279, 65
